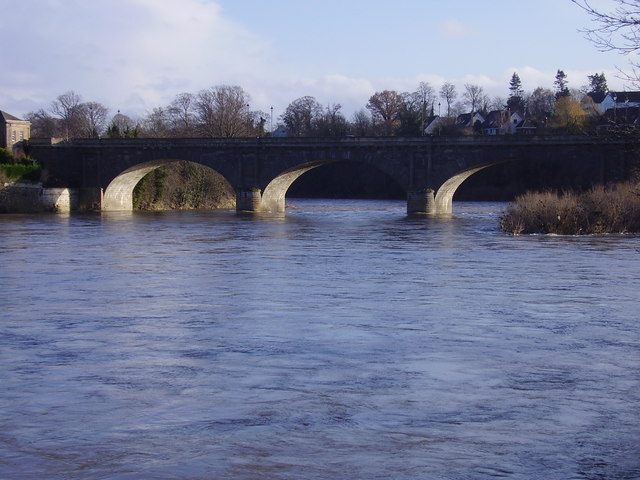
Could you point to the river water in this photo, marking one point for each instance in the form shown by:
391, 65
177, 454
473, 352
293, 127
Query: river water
341, 341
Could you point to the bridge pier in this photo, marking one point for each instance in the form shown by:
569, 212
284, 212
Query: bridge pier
248, 199
90, 199
255, 201
421, 202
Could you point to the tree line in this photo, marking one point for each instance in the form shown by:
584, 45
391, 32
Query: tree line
225, 111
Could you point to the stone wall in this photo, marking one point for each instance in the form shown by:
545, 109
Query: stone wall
20, 198
33, 198
59, 199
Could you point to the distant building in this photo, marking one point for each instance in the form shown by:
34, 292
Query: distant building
466, 120
602, 102
596, 102
432, 125
13, 130
526, 127
501, 122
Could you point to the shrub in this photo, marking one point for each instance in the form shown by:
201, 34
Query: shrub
21, 172
6, 156
613, 209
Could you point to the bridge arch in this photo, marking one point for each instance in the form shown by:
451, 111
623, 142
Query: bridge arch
444, 196
274, 194
118, 196
273, 197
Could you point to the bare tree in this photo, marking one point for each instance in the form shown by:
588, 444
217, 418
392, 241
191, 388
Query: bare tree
94, 118
473, 96
223, 111
427, 96
332, 122
67, 107
485, 103
449, 94
498, 103
361, 123
156, 124
301, 116
77, 118
416, 108
42, 124
617, 30
182, 115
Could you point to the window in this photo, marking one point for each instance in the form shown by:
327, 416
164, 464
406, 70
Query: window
13, 136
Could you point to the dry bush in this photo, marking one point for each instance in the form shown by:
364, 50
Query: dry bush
613, 209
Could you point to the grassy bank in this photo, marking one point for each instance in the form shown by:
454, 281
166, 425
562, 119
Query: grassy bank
613, 209
18, 169
18, 172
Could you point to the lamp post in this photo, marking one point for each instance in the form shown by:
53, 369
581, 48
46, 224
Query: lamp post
91, 133
249, 122
271, 122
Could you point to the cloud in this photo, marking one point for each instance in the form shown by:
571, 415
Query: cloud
127, 54
135, 55
454, 29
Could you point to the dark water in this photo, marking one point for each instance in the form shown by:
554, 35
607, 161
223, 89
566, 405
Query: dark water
343, 341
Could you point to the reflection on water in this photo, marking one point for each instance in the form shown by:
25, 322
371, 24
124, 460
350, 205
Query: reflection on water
343, 340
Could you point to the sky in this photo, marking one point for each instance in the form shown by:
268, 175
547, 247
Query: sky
135, 55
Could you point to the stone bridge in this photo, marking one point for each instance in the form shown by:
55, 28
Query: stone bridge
104, 172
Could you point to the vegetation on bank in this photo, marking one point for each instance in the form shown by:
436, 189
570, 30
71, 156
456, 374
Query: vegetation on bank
611, 209
22, 169
183, 186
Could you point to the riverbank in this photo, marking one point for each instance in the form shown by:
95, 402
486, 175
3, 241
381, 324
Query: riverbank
611, 209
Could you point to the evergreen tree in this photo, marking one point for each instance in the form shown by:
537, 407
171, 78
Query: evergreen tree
561, 85
597, 83
515, 101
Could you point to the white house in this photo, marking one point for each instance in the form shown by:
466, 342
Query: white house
500, 122
432, 124
468, 119
602, 102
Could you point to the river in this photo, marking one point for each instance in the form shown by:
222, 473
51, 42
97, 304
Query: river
341, 341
